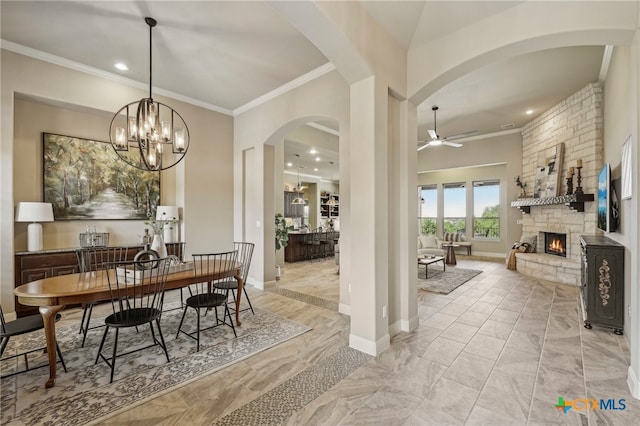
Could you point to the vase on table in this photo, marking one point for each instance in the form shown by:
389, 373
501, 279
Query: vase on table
158, 244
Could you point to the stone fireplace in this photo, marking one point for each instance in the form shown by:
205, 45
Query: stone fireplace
554, 243
577, 122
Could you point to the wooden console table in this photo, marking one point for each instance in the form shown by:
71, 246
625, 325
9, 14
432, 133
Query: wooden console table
37, 265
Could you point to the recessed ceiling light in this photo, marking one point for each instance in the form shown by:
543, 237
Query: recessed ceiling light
121, 66
529, 111
315, 169
313, 151
317, 158
289, 164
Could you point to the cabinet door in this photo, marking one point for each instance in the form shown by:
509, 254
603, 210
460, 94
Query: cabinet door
63, 270
35, 274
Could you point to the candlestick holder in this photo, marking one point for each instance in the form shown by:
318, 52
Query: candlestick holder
579, 179
569, 185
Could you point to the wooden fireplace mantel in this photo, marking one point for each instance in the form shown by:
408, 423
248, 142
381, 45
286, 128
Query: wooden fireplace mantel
573, 201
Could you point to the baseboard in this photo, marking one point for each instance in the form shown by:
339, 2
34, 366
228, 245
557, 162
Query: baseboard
259, 284
395, 328
344, 309
368, 346
10, 316
632, 382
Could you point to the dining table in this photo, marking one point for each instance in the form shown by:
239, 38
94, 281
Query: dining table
50, 295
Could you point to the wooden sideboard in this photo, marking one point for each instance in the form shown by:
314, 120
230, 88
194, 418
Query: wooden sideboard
36, 265
602, 282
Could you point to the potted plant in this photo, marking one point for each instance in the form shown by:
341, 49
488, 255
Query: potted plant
282, 237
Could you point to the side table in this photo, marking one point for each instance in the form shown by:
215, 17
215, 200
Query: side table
451, 253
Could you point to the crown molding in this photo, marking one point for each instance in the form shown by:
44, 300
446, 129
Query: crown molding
323, 128
293, 84
606, 61
77, 66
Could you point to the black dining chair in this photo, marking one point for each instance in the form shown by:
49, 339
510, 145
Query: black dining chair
312, 244
17, 327
135, 289
245, 252
204, 296
92, 259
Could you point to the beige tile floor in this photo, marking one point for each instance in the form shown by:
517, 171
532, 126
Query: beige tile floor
500, 349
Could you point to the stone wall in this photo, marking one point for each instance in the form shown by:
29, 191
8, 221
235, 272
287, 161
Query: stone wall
577, 122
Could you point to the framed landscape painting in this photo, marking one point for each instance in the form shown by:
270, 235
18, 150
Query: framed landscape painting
85, 180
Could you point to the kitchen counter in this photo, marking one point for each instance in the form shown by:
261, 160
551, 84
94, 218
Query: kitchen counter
295, 251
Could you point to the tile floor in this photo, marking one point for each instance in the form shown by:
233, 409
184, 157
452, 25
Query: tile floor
498, 350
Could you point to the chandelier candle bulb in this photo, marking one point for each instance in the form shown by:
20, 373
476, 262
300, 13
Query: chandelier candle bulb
121, 139
166, 130
579, 163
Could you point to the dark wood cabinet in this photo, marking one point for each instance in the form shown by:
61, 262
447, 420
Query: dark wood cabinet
33, 266
296, 250
292, 210
602, 282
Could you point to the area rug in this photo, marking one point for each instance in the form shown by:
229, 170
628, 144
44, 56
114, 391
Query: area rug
83, 395
444, 282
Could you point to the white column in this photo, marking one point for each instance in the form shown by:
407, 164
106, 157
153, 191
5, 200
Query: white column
369, 227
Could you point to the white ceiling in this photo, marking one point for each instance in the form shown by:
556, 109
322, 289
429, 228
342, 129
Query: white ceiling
225, 54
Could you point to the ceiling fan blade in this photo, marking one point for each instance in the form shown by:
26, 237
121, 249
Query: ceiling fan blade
420, 148
433, 134
457, 145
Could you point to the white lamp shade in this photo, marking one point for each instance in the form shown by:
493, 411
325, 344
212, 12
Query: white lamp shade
167, 213
34, 212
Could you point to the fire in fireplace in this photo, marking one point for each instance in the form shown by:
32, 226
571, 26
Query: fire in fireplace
555, 243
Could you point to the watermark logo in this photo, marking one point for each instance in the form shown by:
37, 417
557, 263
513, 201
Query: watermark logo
589, 404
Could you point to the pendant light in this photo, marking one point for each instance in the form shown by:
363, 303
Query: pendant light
147, 134
298, 200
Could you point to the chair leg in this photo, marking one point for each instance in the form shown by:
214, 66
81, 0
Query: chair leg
84, 315
85, 325
5, 340
64, 366
164, 345
113, 358
198, 331
246, 296
181, 321
104, 337
226, 309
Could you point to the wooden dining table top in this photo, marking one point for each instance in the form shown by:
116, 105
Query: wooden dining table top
51, 294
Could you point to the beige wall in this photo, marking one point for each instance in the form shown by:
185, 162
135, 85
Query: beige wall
78, 104
617, 128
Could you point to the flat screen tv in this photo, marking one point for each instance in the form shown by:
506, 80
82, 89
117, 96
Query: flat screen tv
605, 221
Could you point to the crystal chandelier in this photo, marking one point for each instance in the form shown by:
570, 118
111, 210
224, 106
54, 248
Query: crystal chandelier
147, 134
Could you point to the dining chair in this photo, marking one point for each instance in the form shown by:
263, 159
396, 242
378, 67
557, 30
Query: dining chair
92, 259
135, 290
18, 327
245, 251
203, 295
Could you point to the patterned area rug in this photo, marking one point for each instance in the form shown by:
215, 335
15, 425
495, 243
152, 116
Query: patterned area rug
444, 282
83, 395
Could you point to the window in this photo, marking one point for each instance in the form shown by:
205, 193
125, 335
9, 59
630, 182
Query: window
486, 209
427, 209
455, 215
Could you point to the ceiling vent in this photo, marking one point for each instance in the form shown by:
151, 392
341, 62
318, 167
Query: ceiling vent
508, 126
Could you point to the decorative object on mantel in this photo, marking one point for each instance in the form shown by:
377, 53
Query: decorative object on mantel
35, 213
570, 180
573, 201
579, 178
155, 130
521, 185
547, 171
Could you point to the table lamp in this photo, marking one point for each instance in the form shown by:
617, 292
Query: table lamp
168, 213
34, 213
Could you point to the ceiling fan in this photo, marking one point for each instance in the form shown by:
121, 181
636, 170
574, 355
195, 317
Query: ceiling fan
437, 140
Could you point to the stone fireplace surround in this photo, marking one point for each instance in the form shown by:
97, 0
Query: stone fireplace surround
578, 123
